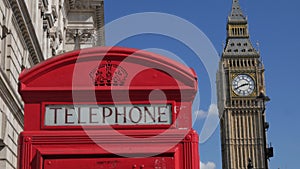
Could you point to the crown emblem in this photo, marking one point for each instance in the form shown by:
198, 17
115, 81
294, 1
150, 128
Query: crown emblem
108, 74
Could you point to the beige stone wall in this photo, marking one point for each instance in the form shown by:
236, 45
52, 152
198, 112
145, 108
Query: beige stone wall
32, 31
241, 118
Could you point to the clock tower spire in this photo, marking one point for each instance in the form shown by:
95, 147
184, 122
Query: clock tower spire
241, 98
236, 13
238, 42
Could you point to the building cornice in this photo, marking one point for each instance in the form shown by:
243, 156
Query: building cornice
22, 16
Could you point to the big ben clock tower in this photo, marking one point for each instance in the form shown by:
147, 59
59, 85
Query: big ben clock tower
241, 99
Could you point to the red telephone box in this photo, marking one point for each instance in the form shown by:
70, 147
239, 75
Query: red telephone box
108, 108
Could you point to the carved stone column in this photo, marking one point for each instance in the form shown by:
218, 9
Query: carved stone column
100, 40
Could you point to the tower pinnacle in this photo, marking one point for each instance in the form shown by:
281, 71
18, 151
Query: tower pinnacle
238, 42
236, 14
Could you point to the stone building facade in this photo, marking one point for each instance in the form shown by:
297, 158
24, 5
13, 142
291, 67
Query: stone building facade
32, 31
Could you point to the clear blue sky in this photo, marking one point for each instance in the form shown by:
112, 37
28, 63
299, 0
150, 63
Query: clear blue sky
274, 24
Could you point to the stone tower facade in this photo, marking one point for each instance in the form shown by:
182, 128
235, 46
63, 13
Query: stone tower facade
32, 31
241, 98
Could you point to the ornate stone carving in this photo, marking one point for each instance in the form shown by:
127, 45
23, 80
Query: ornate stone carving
55, 37
4, 32
71, 4
43, 5
60, 36
80, 36
48, 21
108, 74
54, 12
84, 4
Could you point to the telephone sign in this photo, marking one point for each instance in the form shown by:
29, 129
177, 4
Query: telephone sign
99, 115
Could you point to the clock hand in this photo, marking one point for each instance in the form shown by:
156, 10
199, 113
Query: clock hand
245, 84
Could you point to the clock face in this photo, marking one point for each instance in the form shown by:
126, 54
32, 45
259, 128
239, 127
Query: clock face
243, 85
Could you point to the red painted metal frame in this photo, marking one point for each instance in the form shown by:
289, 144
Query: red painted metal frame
109, 163
51, 82
39, 146
56, 75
